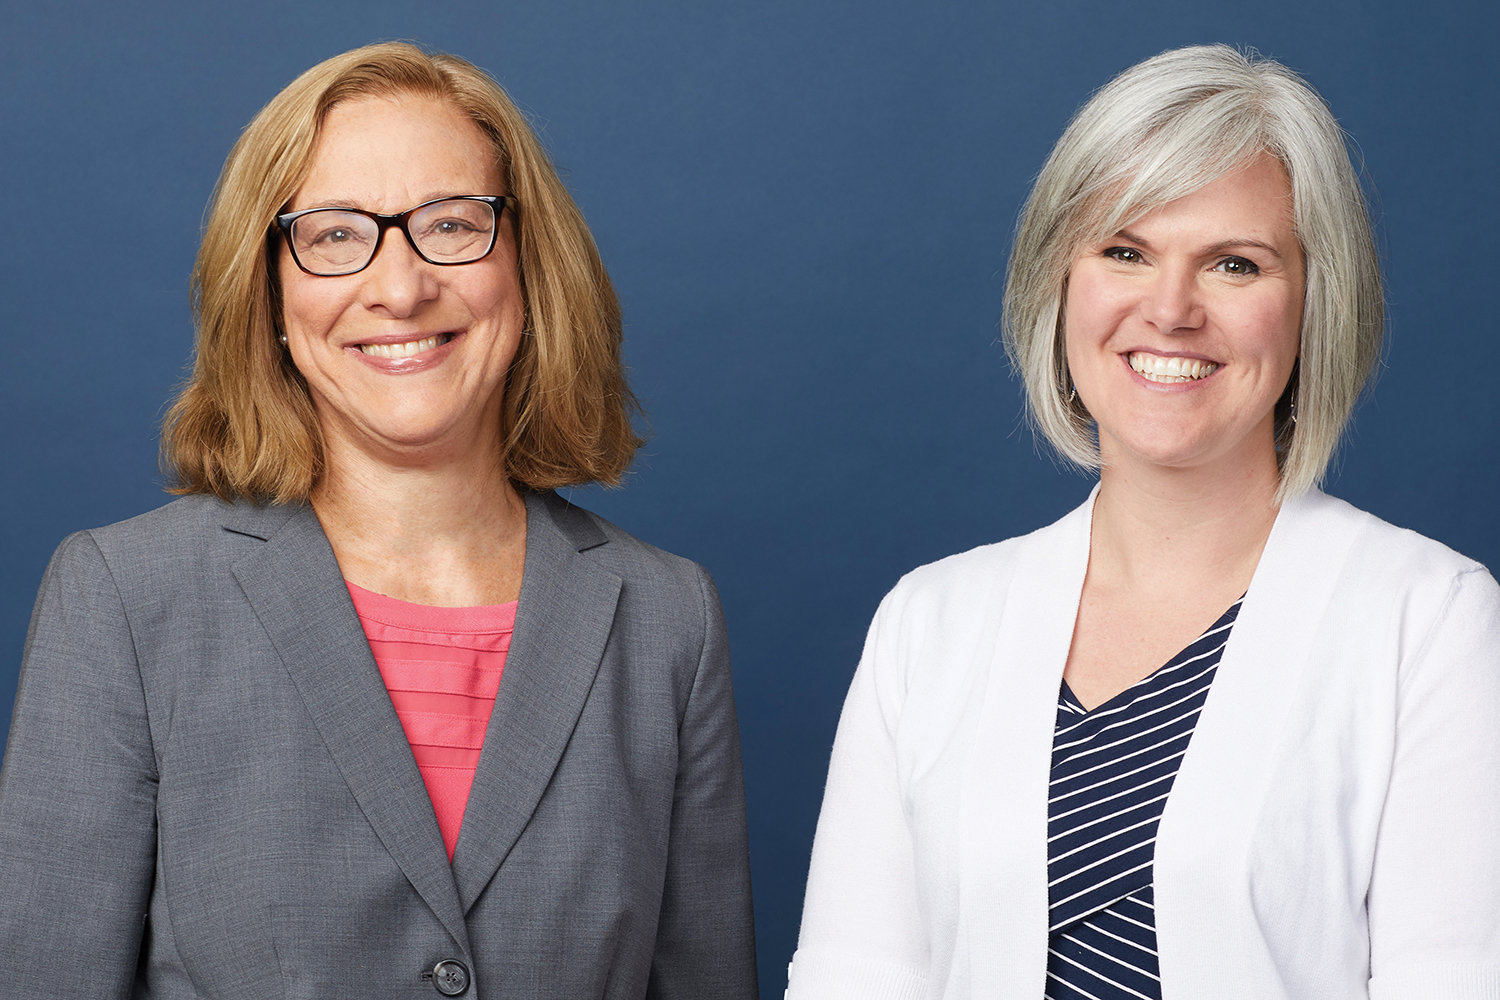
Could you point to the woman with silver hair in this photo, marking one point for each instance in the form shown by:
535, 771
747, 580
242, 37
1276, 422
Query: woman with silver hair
1214, 733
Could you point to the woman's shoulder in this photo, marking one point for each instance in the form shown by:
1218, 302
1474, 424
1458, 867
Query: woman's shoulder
984, 563
1378, 551
973, 584
1376, 571
189, 533
155, 564
182, 526
178, 519
608, 546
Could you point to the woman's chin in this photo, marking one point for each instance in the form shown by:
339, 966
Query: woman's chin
1190, 457
412, 441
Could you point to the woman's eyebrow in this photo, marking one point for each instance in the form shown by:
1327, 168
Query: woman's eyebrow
1239, 243
1234, 243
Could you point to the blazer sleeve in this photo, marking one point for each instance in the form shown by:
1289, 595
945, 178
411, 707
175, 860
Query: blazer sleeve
1434, 900
862, 937
77, 793
705, 943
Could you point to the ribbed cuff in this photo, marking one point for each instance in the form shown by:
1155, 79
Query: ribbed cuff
834, 975
1438, 981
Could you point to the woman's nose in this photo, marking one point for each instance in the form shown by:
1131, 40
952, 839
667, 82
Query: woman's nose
397, 280
1171, 301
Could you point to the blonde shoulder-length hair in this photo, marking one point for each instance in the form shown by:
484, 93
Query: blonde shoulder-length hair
1163, 129
243, 425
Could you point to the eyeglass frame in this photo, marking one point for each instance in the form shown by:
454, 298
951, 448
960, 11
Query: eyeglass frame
498, 204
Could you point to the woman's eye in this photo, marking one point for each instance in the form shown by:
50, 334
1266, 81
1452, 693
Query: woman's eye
1125, 255
1237, 265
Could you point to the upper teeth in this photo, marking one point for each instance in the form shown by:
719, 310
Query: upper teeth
1158, 369
405, 350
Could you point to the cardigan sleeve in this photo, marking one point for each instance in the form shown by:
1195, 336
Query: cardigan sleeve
862, 937
77, 793
1434, 899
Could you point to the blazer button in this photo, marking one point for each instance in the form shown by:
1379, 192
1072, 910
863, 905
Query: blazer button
450, 977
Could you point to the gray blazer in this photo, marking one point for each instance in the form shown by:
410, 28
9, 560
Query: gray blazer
206, 791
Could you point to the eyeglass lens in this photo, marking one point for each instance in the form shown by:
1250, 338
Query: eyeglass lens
333, 241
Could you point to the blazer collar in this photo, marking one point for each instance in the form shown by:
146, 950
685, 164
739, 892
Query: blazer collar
563, 621
297, 591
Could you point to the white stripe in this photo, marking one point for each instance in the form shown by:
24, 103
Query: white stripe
1107, 836
1103, 802
1111, 778
1131, 920
1126, 941
1091, 972
1075, 988
1138, 717
1093, 888
1156, 675
1137, 734
1088, 788
1202, 680
1113, 958
1171, 735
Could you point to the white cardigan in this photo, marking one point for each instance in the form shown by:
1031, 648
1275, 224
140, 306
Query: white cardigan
1333, 832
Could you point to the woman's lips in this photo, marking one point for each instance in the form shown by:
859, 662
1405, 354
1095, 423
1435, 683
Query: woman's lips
1155, 368
409, 349
405, 357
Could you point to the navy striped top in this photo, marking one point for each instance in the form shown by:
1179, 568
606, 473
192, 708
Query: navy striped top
1111, 771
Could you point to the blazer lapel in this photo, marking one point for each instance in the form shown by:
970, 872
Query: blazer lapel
295, 587
563, 621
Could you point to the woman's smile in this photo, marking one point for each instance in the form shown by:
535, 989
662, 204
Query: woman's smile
1183, 328
404, 354
448, 331
1169, 369
405, 349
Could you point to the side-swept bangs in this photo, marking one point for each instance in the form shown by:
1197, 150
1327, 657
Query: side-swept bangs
1161, 130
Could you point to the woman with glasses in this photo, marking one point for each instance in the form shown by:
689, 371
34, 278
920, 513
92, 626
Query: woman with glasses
1214, 733
371, 711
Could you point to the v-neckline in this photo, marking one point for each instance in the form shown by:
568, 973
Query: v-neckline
1067, 699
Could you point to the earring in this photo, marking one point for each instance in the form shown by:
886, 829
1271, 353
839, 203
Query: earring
283, 340
1293, 413
1073, 396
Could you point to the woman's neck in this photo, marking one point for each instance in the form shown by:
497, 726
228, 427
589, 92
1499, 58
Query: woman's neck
450, 533
1166, 531
1170, 550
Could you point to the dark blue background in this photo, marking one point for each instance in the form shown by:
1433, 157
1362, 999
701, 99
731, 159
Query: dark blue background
806, 207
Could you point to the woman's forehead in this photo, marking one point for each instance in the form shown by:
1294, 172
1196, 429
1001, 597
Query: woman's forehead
388, 153
1256, 187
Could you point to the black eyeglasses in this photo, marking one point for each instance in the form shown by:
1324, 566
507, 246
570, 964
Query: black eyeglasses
329, 242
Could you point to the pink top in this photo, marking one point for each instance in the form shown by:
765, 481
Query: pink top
442, 667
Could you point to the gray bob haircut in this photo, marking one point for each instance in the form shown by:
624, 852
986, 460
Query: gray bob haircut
1163, 129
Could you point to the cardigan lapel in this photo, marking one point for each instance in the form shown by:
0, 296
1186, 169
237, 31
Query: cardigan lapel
1003, 902
566, 611
1224, 777
297, 591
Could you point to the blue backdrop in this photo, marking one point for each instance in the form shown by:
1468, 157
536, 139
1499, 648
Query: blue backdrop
806, 207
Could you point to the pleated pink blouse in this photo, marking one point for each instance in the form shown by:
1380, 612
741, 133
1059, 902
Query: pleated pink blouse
442, 667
